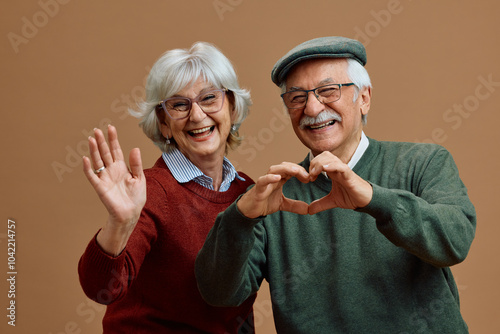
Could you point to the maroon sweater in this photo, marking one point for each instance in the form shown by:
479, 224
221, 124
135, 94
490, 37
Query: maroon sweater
150, 287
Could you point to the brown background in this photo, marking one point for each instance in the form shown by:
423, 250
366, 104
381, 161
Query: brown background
77, 65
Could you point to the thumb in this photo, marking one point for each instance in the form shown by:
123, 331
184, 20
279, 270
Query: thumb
135, 162
295, 206
321, 204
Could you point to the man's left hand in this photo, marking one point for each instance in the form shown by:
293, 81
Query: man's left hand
349, 191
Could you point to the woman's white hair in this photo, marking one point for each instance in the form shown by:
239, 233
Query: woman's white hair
357, 74
178, 68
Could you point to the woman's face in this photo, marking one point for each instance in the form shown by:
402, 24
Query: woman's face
200, 136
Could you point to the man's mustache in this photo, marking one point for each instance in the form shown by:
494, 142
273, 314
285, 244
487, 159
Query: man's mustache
324, 116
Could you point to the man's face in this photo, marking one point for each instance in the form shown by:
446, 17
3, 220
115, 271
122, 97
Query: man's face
323, 132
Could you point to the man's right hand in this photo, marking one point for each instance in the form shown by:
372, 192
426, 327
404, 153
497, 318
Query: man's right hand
267, 197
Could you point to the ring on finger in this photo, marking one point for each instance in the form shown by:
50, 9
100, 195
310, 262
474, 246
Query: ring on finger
97, 171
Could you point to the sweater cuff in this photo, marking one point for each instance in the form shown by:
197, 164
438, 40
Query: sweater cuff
102, 261
378, 206
235, 213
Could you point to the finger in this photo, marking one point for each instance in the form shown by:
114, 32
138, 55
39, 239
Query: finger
341, 173
262, 186
288, 170
321, 204
334, 170
135, 162
255, 202
317, 164
89, 172
295, 206
95, 156
114, 144
103, 147
335, 167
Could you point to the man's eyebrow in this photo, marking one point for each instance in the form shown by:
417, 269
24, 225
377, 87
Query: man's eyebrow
326, 81
321, 83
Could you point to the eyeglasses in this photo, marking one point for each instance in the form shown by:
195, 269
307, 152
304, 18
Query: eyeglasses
180, 107
296, 99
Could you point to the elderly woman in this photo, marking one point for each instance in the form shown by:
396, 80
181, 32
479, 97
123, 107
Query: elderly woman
141, 262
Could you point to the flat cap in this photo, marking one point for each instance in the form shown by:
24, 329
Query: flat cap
323, 47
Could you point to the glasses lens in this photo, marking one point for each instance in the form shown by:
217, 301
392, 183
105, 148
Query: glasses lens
327, 94
211, 101
295, 99
178, 107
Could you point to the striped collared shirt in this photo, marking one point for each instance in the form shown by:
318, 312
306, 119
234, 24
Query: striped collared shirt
184, 171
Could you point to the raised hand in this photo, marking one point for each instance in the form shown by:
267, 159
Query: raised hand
122, 191
267, 197
349, 191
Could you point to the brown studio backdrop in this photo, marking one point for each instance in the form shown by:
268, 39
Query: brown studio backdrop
69, 66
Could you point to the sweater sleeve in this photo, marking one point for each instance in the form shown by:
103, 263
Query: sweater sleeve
105, 278
435, 220
229, 267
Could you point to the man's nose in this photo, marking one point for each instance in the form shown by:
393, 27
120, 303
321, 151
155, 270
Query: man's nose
313, 107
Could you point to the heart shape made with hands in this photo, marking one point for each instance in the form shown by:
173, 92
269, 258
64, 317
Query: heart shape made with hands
349, 191
301, 207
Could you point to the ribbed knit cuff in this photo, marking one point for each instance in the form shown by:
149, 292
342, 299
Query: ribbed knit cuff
102, 261
378, 206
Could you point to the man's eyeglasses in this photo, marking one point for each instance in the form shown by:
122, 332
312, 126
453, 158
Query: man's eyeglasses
180, 107
297, 99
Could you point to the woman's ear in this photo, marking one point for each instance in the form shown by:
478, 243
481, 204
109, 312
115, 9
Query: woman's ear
232, 111
163, 123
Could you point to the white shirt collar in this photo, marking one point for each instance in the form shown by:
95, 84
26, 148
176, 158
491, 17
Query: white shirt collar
360, 150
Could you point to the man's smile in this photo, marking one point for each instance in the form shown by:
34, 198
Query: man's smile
322, 125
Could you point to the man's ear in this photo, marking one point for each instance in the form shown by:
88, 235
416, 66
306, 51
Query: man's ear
365, 97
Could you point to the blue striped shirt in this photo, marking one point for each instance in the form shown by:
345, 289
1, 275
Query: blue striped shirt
184, 171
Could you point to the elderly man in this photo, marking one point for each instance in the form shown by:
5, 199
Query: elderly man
358, 237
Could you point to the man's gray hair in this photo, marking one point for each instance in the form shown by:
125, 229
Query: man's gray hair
358, 74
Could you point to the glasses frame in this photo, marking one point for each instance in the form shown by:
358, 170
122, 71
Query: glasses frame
191, 101
315, 94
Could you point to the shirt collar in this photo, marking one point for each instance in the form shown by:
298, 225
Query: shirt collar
360, 150
183, 170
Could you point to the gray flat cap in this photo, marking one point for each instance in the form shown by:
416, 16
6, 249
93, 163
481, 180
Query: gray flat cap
323, 47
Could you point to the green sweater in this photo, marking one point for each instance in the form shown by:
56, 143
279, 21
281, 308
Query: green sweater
380, 269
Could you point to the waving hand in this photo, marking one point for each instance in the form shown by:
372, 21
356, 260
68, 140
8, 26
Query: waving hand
122, 191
